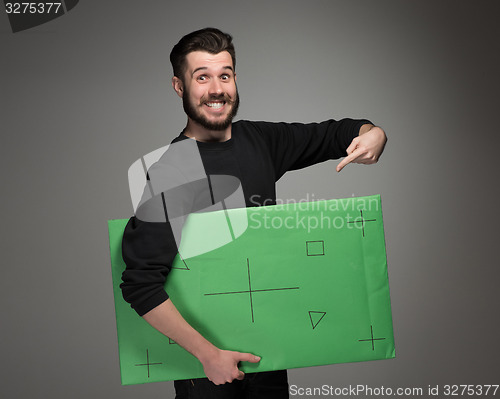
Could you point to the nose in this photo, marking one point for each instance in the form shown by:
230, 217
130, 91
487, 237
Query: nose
215, 87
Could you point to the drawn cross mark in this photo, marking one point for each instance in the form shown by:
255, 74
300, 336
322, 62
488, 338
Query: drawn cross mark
362, 221
147, 362
371, 339
251, 291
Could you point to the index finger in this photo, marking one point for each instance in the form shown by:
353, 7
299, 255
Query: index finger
348, 159
247, 357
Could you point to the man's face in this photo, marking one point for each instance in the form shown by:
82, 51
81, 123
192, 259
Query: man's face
210, 96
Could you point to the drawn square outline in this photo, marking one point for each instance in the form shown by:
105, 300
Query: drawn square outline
316, 249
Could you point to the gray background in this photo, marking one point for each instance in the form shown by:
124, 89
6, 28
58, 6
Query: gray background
87, 94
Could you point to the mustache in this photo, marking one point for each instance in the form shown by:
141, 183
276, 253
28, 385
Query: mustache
217, 97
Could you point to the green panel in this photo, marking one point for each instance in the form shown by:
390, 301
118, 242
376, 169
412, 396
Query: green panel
305, 285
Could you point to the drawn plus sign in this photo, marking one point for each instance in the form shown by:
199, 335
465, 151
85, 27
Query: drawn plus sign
251, 291
362, 220
372, 339
147, 362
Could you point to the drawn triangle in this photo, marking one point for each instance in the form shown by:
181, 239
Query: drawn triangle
316, 317
185, 267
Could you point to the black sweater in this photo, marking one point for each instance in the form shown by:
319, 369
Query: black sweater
258, 154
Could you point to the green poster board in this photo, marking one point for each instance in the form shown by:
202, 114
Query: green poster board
304, 285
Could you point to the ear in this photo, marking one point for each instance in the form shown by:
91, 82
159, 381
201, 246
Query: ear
177, 86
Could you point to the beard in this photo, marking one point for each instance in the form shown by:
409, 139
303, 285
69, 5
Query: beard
192, 111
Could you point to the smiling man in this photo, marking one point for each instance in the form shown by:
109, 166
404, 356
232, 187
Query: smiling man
257, 154
209, 95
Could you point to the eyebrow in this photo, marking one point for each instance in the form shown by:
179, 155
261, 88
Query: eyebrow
204, 68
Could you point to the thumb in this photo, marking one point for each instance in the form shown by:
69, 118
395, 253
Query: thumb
248, 357
353, 145
241, 375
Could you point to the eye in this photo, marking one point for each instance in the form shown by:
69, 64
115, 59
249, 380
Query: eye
225, 77
202, 78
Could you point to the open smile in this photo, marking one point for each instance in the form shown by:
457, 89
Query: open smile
215, 105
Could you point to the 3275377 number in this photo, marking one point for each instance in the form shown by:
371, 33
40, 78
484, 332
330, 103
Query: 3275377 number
32, 8
470, 390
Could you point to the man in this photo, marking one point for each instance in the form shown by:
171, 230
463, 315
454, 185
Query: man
258, 154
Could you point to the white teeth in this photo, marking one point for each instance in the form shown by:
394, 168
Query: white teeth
215, 105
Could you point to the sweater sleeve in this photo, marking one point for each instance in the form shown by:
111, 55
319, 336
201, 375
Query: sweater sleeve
298, 145
148, 249
149, 243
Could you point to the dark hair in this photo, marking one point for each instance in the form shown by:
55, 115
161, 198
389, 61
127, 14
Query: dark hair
211, 40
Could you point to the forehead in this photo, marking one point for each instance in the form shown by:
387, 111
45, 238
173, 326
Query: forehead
202, 59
